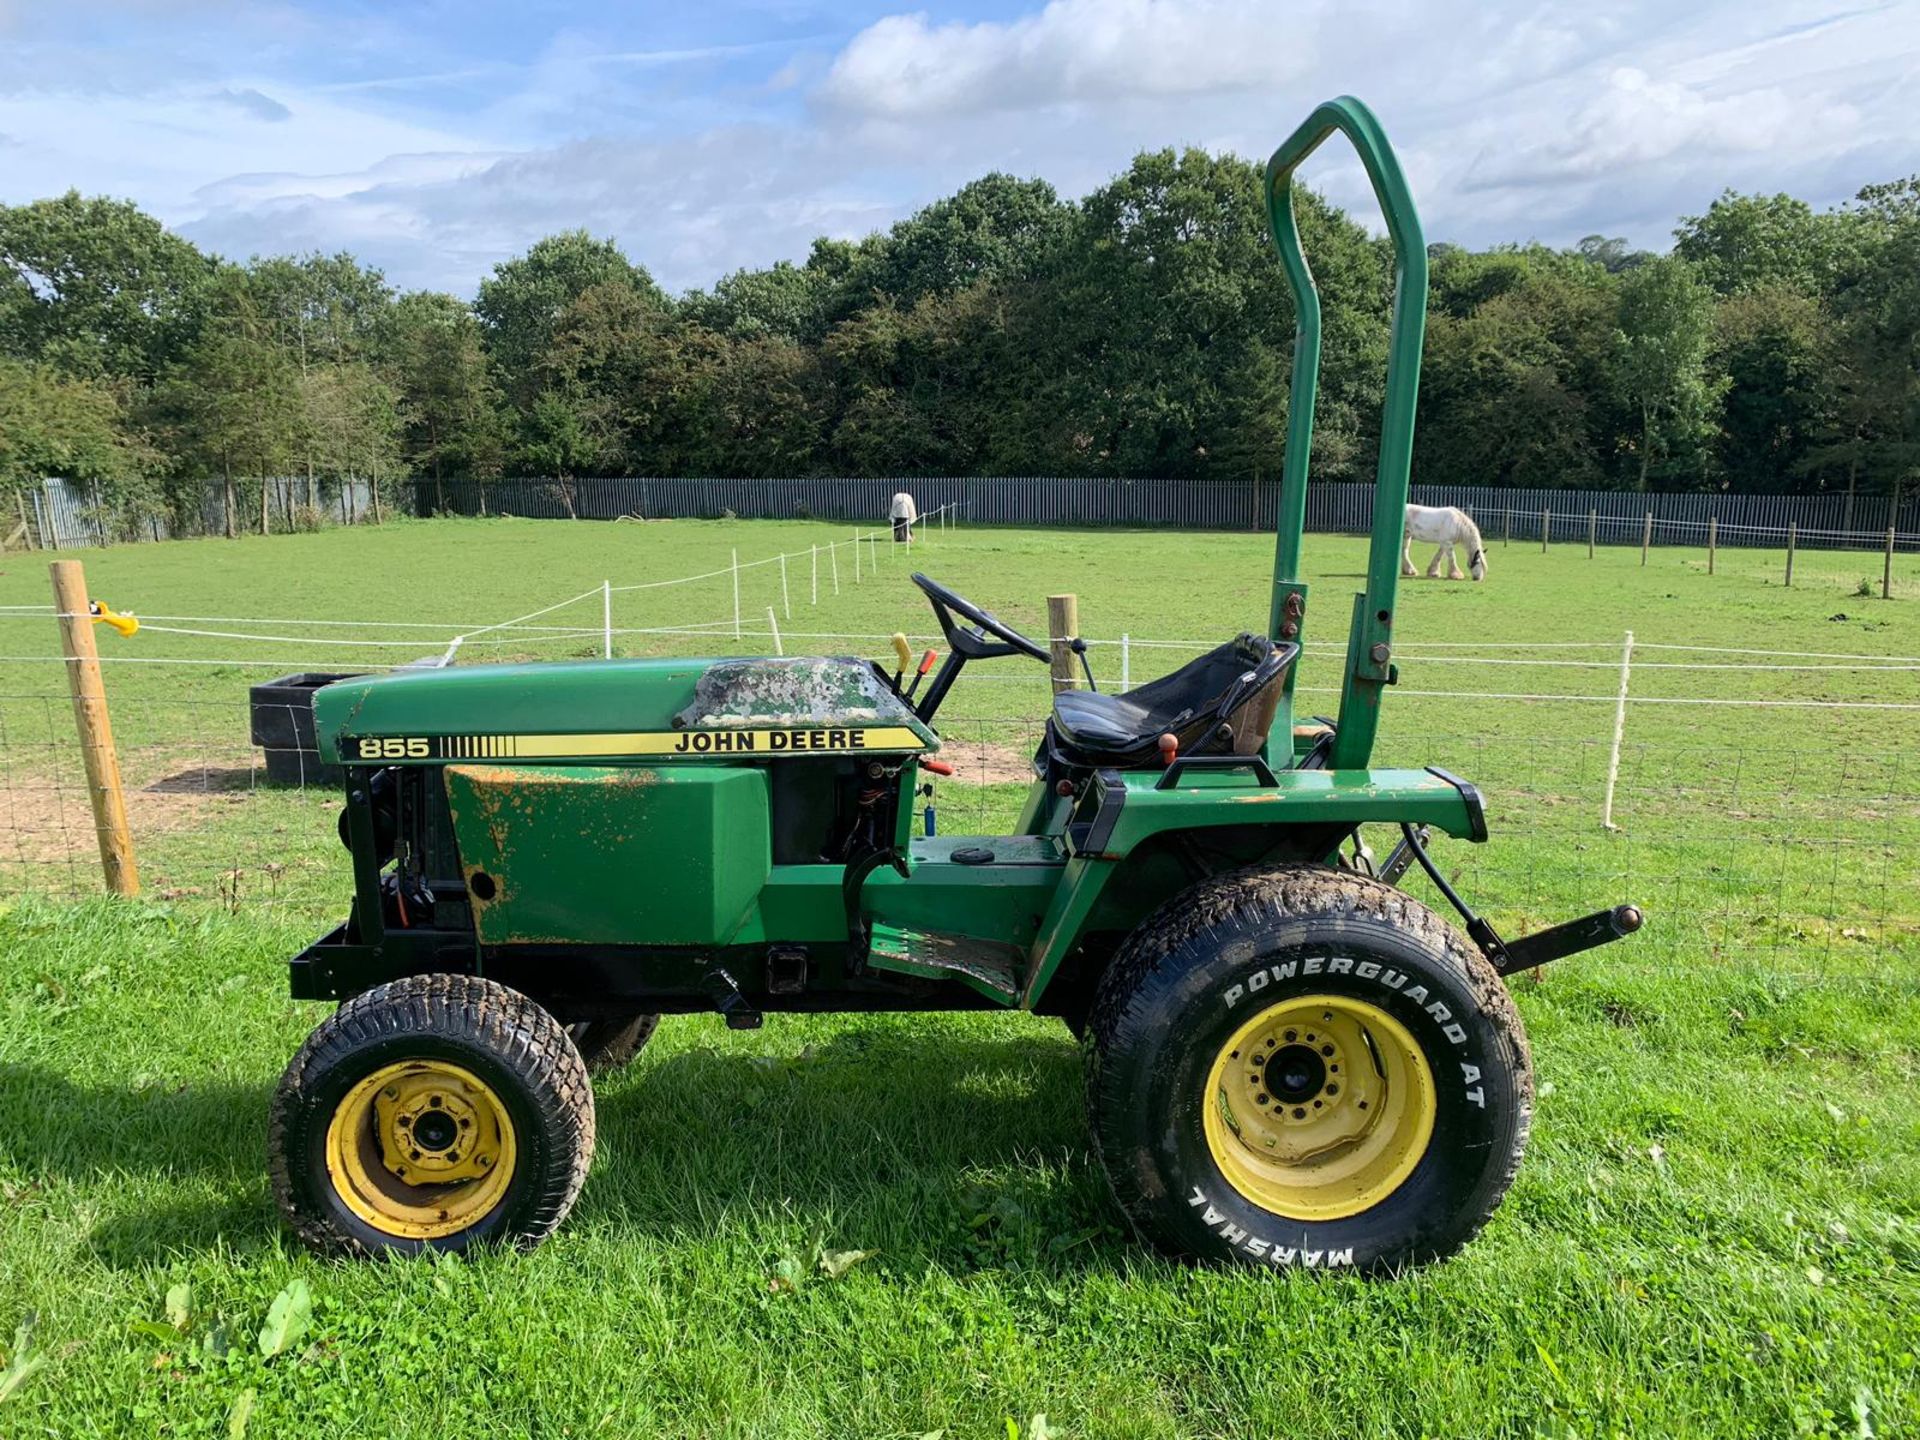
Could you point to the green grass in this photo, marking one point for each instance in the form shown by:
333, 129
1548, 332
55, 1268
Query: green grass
1717, 1230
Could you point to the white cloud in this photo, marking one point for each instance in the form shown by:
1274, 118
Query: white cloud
1515, 119
1072, 50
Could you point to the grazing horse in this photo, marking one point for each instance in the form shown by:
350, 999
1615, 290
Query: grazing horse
1446, 527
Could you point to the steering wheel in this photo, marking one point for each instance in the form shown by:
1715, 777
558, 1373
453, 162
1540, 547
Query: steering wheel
971, 643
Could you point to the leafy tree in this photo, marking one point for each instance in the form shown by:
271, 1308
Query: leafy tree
995, 228
96, 287
1772, 344
558, 440
1660, 348
1876, 379
56, 425
1751, 242
524, 298
355, 418
1611, 253
1509, 385
232, 401
614, 362
325, 311
452, 417
787, 301
762, 413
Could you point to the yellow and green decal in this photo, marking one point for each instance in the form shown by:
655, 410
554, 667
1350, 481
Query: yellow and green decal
809, 740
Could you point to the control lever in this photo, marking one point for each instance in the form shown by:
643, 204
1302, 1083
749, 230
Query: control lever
926, 664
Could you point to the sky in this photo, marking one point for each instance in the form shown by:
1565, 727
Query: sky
436, 139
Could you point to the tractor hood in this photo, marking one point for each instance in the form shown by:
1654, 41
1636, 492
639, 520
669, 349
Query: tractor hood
617, 709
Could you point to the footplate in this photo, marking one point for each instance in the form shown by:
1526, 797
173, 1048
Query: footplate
987, 965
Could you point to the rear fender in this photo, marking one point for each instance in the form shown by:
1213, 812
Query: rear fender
1125, 825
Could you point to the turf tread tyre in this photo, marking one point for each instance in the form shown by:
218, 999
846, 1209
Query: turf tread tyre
1168, 953
521, 1048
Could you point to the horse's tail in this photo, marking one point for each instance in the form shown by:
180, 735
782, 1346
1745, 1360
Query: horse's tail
1476, 551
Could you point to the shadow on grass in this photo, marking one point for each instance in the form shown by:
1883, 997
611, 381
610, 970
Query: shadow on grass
201, 1146
950, 1147
927, 1144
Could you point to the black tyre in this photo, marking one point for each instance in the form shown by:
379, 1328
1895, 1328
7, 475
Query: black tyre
606, 1045
434, 1113
1301, 1066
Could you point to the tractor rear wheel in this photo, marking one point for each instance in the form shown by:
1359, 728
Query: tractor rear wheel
433, 1113
1301, 1066
607, 1045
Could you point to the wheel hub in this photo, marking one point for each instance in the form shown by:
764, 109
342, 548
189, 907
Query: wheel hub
1319, 1107
1295, 1074
421, 1149
434, 1126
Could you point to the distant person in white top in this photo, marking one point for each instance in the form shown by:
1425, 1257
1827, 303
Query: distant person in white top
904, 515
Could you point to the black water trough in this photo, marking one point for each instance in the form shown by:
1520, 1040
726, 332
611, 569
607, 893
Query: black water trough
282, 713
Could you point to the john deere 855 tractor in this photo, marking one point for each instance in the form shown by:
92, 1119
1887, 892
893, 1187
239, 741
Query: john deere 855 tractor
1289, 1061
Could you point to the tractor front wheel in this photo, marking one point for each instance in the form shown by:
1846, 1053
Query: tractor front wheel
433, 1113
1305, 1067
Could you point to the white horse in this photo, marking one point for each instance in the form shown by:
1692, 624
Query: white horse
903, 513
1445, 527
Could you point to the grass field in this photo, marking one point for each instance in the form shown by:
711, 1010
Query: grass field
1717, 1230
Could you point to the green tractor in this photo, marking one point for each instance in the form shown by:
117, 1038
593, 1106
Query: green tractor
1289, 1061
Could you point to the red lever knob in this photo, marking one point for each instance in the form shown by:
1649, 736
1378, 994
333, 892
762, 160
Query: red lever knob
1169, 747
926, 662
936, 767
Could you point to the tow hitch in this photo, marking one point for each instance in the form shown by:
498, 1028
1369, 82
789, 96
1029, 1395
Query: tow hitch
1529, 951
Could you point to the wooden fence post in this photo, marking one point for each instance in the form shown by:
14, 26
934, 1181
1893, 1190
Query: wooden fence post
1793, 539
102, 761
1886, 571
1546, 526
1063, 624
1593, 523
1646, 539
1713, 540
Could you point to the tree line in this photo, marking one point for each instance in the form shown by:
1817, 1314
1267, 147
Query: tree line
1142, 331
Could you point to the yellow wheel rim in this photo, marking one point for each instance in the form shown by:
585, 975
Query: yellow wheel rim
1319, 1107
421, 1150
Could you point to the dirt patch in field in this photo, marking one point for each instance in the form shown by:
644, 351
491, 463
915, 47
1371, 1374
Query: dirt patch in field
983, 762
44, 820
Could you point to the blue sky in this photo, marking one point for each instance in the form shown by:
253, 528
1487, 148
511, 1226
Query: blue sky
436, 139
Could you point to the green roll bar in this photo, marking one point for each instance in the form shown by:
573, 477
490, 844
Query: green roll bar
1370, 637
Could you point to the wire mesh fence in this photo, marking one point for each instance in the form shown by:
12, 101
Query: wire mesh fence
1794, 862
1766, 803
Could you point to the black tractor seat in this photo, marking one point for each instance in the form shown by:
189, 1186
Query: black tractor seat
1220, 704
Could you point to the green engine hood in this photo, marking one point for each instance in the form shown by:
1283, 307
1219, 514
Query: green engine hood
616, 709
